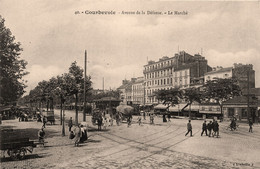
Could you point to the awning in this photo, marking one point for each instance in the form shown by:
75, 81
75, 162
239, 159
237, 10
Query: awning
209, 112
174, 108
161, 106
194, 107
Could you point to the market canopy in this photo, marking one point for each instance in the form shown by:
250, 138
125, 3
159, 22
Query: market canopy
161, 106
125, 109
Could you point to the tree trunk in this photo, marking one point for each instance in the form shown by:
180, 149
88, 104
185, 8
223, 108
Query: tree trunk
190, 111
48, 103
221, 110
76, 108
61, 105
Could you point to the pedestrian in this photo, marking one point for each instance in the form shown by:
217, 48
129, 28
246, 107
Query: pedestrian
189, 128
215, 128
139, 120
70, 124
204, 128
111, 121
144, 115
44, 121
250, 126
209, 126
105, 123
117, 119
41, 135
151, 119
129, 121
164, 118
169, 117
84, 135
99, 123
78, 134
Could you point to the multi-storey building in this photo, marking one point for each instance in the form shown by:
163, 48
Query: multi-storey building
126, 90
178, 71
138, 91
243, 73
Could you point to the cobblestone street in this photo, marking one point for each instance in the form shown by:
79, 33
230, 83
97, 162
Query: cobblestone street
162, 145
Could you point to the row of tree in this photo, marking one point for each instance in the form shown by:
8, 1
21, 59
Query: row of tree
216, 90
68, 86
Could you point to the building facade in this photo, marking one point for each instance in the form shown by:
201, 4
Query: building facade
138, 91
244, 74
172, 72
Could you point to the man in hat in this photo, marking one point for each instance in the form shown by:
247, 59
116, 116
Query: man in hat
250, 126
204, 128
189, 128
70, 124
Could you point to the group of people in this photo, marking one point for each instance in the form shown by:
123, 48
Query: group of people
79, 133
211, 129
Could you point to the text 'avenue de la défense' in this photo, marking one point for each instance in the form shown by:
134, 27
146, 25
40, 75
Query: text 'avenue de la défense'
152, 12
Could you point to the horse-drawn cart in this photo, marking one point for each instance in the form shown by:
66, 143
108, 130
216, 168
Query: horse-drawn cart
49, 116
16, 148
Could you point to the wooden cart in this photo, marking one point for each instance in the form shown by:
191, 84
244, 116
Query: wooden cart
16, 148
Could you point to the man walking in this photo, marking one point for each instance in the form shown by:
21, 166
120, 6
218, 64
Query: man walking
44, 121
70, 124
215, 128
189, 128
250, 126
204, 128
209, 126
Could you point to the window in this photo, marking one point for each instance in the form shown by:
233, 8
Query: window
164, 81
171, 80
168, 81
158, 82
231, 112
244, 113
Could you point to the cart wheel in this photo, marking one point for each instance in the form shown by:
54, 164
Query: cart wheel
22, 153
14, 154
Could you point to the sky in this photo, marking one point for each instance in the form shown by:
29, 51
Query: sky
52, 35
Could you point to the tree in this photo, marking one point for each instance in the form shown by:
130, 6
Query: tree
190, 95
221, 90
74, 84
169, 97
12, 67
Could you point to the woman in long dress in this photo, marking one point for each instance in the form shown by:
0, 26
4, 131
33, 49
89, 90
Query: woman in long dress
78, 134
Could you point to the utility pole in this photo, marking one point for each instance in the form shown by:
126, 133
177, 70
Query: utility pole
144, 93
85, 76
248, 108
103, 86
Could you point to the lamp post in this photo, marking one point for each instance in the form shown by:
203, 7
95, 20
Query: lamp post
248, 108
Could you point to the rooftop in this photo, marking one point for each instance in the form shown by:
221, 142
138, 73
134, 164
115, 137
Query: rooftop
227, 69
